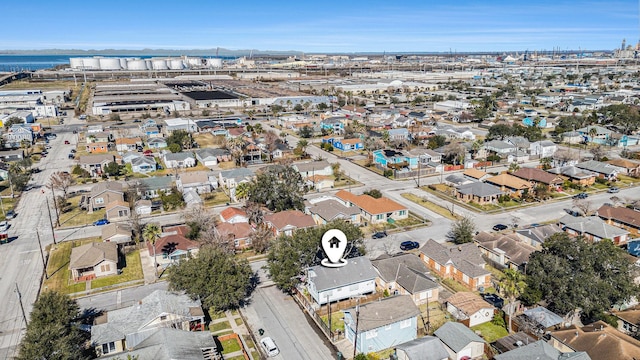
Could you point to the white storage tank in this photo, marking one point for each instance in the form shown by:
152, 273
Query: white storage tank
176, 64
138, 64
149, 63
159, 64
109, 64
193, 62
214, 63
123, 63
91, 63
76, 63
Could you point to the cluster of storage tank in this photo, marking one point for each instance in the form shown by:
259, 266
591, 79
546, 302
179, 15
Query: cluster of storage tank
119, 63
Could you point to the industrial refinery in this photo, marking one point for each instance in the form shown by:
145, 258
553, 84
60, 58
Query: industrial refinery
142, 64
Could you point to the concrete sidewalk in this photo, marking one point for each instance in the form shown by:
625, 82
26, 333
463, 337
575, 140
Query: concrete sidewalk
147, 266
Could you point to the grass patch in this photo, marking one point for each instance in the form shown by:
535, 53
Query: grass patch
219, 326
384, 354
456, 286
337, 322
215, 198
230, 345
487, 207
255, 355
490, 332
77, 216
208, 140
497, 274
238, 321
131, 271
239, 357
234, 312
58, 269
217, 315
430, 206
249, 341
436, 315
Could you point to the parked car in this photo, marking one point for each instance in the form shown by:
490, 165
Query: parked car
10, 214
4, 226
101, 222
379, 235
409, 245
582, 195
572, 212
613, 190
499, 227
494, 300
269, 346
73, 151
71, 156
66, 142
83, 117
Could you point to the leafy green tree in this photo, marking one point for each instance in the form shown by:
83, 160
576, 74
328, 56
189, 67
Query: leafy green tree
278, 188
499, 132
570, 274
290, 256
221, 282
374, 193
181, 138
52, 332
462, 231
513, 167
306, 132
11, 121
174, 148
112, 169
436, 141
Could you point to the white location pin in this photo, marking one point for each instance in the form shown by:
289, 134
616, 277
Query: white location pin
334, 243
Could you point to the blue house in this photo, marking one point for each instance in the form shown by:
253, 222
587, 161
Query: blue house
395, 159
633, 247
542, 122
382, 324
333, 125
348, 144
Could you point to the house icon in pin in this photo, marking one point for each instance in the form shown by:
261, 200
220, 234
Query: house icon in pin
334, 243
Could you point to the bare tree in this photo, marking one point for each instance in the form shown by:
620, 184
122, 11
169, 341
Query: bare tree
212, 237
583, 205
455, 152
598, 152
135, 221
255, 213
261, 238
562, 157
61, 181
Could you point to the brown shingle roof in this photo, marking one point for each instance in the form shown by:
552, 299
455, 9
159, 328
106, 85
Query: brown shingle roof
468, 302
516, 250
117, 203
171, 243
624, 163
620, 214
370, 204
537, 175
600, 341
236, 230
509, 181
474, 173
230, 212
290, 217
90, 255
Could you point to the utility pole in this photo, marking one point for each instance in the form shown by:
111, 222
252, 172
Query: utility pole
330, 331
44, 262
355, 337
53, 233
24, 316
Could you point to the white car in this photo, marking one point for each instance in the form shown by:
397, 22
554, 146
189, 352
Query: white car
4, 226
269, 346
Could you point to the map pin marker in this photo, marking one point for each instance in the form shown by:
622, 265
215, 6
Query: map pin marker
334, 243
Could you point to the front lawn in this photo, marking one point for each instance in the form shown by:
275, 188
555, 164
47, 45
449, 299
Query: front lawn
490, 332
75, 216
337, 320
131, 271
430, 206
219, 326
230, 345
58, 273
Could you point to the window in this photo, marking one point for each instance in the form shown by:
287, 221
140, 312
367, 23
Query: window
437, 266
108, 347
380, 216
163, 317
405, 324
465, 278
371, 334
99, 201
402, 212
105, 267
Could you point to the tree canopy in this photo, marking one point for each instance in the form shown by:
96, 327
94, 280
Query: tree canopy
571, 274
278, 188
220, 281
289, 256
180, 138
462, 231
52, 332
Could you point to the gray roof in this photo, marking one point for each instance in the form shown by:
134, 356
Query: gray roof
539, 233
413, 280
426, 348
143, 160
333, 209
598, 167
156, 140
513, 341
156, 182
92, 254
515, 249
179, 156
357, 270
211, 152
311, 166
541, 350
237, 174
518, 141
384, 312
592, 225
122, 322
543, 317
479, 189
499, 144
467, 258
572, 172
458, 179
106, 186
456, 336
407, 270
169, 344
96, 159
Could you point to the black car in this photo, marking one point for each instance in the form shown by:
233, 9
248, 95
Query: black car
582, 195
379, 235
500, 227
494, 300
409, 245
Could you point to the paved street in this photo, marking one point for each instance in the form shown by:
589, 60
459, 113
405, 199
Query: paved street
284, 322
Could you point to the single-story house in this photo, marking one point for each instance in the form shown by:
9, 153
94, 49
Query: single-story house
311, 168
104, 193
233, 215
239, 232
374, 210
475, 174
95, 164
593, 229
172, 247
143, 164
128, 144
117, 210
598, 340
288, 221
469, 308
200, 181
143, 207
157, 143
118, 233
537, 177
382, 324
509, 184
462, 263
603, 170
541, 350
210, 157
406, 274
424, 348
152, 187
622, 217
535, 236
575, 175
329, 284
478, 192
460, 341
182, 159
94, 260
504, 250
328, 210
628, 167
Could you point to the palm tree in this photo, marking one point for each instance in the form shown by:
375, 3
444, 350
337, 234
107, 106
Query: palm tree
302, 143
593, 132
513, 167
151, 233
512, 285
242, 190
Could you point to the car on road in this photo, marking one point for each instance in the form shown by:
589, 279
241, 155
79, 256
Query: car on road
269, 346
499, 227
66, 142
71, 156
613, 190
83, 117
582, 195
379, 235
494, 300
4, 226
101, 222
10, 214
73, 151
572, 212
409, 245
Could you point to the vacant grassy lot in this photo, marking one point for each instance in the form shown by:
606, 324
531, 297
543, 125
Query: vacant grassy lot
77, 217
431, 206
215, 198
490, 332
208, 140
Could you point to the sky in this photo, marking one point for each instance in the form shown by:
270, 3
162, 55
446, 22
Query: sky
321, 26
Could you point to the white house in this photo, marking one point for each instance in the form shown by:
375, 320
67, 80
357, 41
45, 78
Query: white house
544, 148
469, 308
179, 160
357, 277
460, 341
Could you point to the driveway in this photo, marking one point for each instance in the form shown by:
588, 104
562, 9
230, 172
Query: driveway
281, 319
